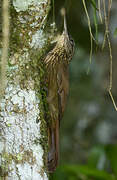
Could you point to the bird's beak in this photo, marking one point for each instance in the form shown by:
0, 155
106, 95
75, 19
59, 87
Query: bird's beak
65, 25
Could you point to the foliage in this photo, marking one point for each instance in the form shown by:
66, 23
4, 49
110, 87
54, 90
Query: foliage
89, 171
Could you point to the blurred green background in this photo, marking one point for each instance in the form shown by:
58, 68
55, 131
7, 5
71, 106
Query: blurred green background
88, 134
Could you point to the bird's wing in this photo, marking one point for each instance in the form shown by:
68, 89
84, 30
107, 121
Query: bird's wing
63, 87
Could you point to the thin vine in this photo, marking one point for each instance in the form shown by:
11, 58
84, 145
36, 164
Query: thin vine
106, 37
110, 49
5, 42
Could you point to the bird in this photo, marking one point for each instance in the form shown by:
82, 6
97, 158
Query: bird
57, 79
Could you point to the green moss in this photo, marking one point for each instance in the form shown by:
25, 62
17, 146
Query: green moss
26, 156
22, 26
20, 158
6, 160
7, 157
30, 64
3, 171
43, 126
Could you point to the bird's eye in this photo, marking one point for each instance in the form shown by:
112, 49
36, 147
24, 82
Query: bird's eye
72, 41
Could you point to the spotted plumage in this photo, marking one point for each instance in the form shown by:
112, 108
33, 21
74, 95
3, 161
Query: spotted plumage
57, 79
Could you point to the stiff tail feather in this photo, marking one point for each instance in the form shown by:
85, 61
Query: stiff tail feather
53, 154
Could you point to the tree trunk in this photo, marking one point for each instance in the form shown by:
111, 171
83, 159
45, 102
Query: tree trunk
23, 134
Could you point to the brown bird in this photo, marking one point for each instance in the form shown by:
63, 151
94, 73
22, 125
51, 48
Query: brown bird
57, 79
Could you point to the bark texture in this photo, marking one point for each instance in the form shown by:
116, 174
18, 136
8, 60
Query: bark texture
23, 140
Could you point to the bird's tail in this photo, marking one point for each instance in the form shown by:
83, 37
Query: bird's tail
53, 154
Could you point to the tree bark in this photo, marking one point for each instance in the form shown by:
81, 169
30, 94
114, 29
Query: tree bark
23, 133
